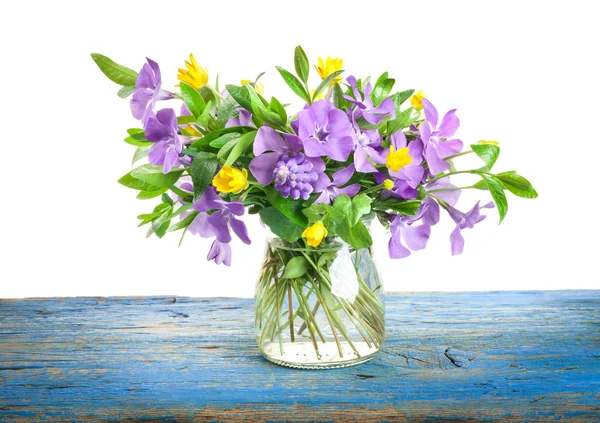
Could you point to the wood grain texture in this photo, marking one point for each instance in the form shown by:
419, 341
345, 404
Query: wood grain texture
460, 357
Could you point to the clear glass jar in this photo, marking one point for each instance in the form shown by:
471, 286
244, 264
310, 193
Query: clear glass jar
318, 307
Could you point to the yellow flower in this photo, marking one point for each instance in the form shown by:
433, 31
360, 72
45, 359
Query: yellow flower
328, 67
230, 179
195, 75
321, 95
314, 234
192, 131
488, 142
417, 100
388, 184
396, 160
260, 88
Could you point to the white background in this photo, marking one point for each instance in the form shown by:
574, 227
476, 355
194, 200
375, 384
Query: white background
523, 73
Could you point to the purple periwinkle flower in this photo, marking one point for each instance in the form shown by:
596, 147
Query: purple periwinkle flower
464, 221
218, 224
366, 144
415, 236
365, 107
435, 138
162, 130
411, 172
340, 178
278, 157
244, 118
325, 131
147, 91
220, 252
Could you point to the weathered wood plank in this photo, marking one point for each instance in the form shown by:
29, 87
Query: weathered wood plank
468, 357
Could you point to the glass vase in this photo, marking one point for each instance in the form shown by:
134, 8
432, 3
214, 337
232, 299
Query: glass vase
320, 307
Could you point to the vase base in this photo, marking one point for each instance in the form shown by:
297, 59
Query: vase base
301, 355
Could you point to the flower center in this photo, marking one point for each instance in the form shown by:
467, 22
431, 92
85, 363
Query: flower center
320, 134
396, 160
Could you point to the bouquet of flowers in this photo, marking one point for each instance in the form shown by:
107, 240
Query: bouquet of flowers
356, 151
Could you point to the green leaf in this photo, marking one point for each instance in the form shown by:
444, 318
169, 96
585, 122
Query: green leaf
517, 184
401, 97
301, 64
357, 236
226, 149
353, 209
184, 120
402, 121
496, 189
347, 221
140, 153
223, 139
115, 72
138, 139
192, 99
166, 199
241, 95
158, 211
295, 268
338, 97
280, 225
133, 183
147, 195
294, 84
240, 146
227, 110
126, 91
488, 153
206, 140
185, 222
325, 83
382, 89
288, 206
276, 107
154, 175
406, 207
203, 170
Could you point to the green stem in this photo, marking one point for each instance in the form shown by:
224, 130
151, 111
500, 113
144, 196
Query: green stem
445, 175
450, 189
459, 154
290, 311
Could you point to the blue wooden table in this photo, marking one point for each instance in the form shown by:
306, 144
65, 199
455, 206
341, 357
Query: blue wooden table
460, 357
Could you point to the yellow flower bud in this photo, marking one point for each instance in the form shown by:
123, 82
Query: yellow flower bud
329, 66
231, 180
488, 142
396, 160
259, 88
195, 75
314, 234
417, 100
388, 184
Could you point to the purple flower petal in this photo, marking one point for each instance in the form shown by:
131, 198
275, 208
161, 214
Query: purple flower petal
457, 242
262, 167
449, 125
219, 223
342, 176
416, 237
220, 253
431, 113
267, 139
239, 228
